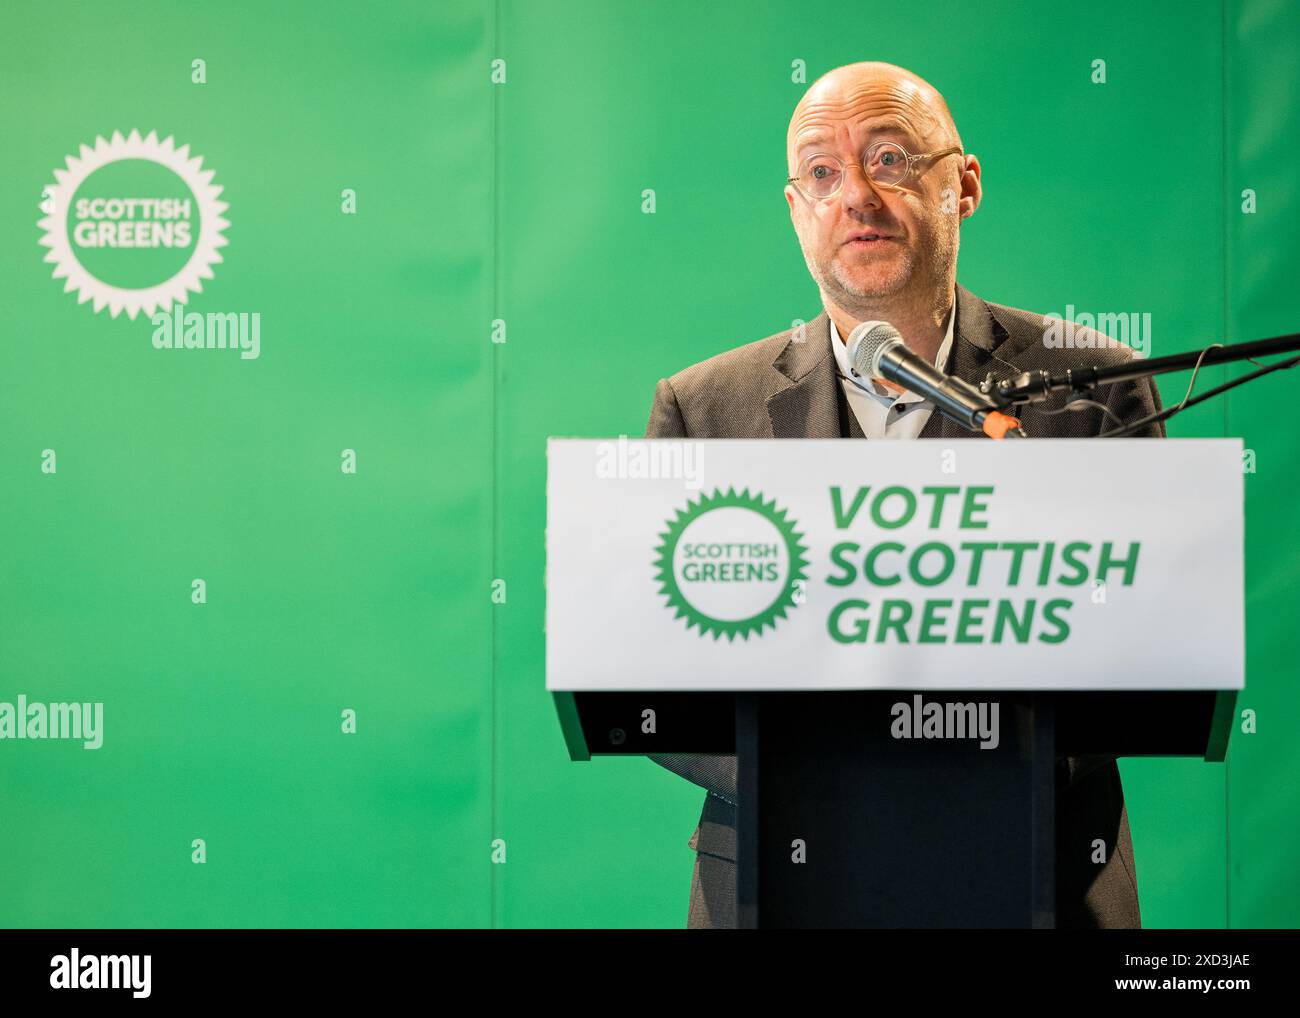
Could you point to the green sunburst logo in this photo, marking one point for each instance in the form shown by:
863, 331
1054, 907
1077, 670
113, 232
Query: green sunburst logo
731, 563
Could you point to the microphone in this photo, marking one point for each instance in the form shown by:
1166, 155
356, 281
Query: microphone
876, 350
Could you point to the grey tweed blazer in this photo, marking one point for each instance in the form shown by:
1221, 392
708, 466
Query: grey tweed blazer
785, 386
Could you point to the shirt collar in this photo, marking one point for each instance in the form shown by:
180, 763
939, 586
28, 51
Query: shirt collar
842, 359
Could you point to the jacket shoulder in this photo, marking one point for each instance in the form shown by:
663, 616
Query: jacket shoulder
1052, 342
726, 395
750, 362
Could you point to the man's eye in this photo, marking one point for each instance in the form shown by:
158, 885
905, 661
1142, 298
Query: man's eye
821, 172
888, 158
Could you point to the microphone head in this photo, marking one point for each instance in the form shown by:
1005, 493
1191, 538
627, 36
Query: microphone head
867, 343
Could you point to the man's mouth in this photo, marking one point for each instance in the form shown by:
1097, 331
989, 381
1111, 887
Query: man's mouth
868, 238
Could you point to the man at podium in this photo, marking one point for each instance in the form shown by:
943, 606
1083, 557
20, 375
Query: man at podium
878, 186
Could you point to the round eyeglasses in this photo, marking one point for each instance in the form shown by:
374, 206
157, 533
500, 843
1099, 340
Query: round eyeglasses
885, 163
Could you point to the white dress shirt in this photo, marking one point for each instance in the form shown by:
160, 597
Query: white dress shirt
880, 412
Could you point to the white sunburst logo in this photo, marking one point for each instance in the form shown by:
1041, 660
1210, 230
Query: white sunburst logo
119, 227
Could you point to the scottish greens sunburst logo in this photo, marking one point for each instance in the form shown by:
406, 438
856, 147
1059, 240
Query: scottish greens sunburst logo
133, 224
731, 564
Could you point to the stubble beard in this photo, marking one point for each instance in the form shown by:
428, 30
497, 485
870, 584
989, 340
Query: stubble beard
864, 302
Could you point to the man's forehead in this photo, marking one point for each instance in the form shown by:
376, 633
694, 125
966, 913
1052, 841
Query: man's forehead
866, 104
828, 129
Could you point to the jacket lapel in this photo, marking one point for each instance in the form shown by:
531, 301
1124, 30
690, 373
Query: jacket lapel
805, 406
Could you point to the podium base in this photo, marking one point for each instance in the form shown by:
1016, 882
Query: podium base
895, 810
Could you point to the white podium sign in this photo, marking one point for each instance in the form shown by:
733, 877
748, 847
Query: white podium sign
1053, 564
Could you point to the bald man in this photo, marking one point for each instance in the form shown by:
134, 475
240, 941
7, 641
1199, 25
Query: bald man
878, 186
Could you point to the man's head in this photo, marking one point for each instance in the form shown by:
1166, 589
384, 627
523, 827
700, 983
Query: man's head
872, 246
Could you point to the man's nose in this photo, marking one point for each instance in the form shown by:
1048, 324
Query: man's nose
857, 191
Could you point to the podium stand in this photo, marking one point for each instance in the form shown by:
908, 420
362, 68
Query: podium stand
909, 834
846, 815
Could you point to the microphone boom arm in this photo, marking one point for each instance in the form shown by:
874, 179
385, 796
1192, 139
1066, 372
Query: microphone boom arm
1035, 386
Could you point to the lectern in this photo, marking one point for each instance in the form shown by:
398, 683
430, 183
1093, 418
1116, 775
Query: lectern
901, 643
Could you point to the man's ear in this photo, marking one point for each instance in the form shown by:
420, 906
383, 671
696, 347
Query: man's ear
971, 189
789, 200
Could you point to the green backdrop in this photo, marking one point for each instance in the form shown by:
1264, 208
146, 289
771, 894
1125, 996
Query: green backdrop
520, 201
